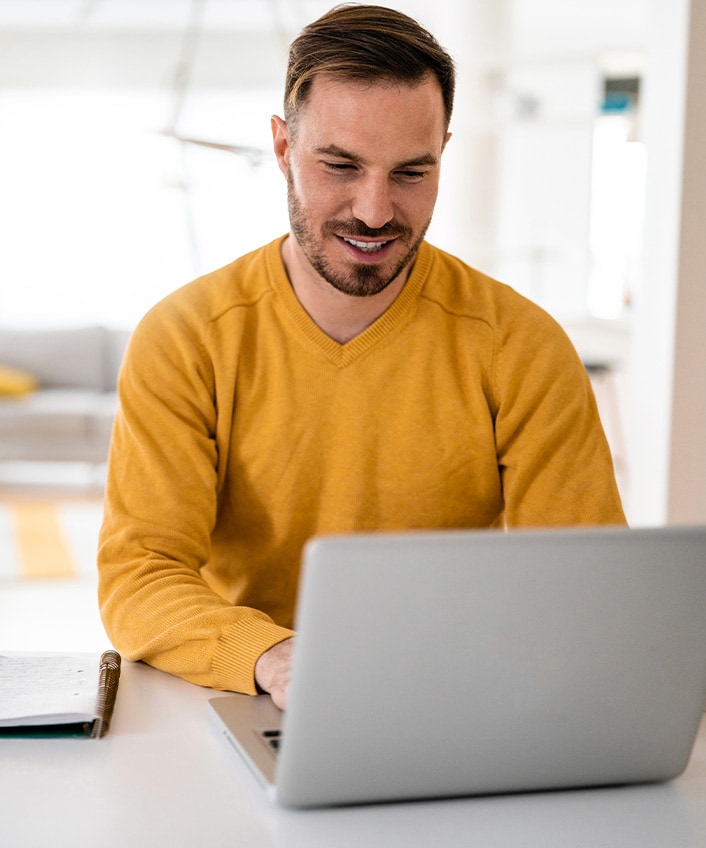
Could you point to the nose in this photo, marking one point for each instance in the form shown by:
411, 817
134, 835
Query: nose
372, 203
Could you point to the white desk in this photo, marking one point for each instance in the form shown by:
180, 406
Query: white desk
163, 777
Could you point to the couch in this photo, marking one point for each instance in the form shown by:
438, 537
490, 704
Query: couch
59, 395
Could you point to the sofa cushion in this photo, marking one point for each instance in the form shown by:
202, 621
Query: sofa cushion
53, 411
69, 358
15, 381
57, 424
114, 344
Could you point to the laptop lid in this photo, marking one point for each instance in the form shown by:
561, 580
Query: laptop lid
437, 664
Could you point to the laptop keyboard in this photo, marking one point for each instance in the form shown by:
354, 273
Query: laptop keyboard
272, 739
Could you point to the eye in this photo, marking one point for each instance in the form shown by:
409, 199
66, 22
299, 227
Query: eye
411, 175
340, 167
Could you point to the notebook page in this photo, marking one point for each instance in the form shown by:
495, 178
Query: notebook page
48, 688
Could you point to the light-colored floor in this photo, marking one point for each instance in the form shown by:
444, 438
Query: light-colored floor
49, 537
58, 613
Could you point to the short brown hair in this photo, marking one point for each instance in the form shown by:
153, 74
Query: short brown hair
360, 42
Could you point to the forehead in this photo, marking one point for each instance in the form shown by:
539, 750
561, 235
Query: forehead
355, 114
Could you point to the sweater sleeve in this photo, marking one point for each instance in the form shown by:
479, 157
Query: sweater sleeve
554, 459
160, 509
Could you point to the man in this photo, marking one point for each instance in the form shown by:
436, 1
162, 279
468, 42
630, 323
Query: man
346, 377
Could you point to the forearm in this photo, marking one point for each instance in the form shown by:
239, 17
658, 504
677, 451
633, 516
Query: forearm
166, 615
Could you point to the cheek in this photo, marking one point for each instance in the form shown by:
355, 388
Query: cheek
422, 205
317, 196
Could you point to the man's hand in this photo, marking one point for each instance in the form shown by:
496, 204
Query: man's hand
272, 671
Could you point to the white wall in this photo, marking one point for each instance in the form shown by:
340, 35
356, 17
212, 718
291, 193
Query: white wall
687, 473
667, 436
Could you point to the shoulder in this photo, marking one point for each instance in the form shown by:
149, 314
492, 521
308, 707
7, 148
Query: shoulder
464, 291
193, 324
239, 285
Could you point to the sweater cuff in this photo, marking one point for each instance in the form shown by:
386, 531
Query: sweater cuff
239, 648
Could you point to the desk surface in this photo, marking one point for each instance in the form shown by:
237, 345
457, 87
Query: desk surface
163, 776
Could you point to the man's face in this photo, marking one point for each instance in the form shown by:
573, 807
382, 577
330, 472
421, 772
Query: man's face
362, 172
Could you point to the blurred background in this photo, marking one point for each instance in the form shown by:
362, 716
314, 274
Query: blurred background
135, 155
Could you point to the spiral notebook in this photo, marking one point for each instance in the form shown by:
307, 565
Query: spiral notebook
457, 663
57, 694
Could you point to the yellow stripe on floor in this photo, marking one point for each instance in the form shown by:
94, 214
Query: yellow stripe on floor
42, 547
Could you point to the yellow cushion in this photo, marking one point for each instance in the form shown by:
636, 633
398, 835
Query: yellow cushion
14, 381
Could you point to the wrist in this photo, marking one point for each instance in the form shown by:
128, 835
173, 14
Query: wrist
271, 665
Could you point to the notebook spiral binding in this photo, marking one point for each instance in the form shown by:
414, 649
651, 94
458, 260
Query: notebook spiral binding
107, 692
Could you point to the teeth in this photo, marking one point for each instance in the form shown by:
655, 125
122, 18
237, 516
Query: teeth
366, 246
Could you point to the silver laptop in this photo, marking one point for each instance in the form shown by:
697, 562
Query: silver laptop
440, 664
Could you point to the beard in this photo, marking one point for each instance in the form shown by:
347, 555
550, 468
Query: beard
356, 279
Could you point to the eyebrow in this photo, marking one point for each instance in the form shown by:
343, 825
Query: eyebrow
340, 153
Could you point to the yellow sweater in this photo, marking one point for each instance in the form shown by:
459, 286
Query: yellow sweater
244, 430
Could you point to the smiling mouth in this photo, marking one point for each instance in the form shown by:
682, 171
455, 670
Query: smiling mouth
366, 246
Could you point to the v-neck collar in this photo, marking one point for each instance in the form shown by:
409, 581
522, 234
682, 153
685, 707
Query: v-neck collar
344, 354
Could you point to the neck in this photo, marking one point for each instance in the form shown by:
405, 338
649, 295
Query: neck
341, 316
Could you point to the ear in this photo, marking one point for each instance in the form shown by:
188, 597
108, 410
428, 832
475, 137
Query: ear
446, 141
281, 143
